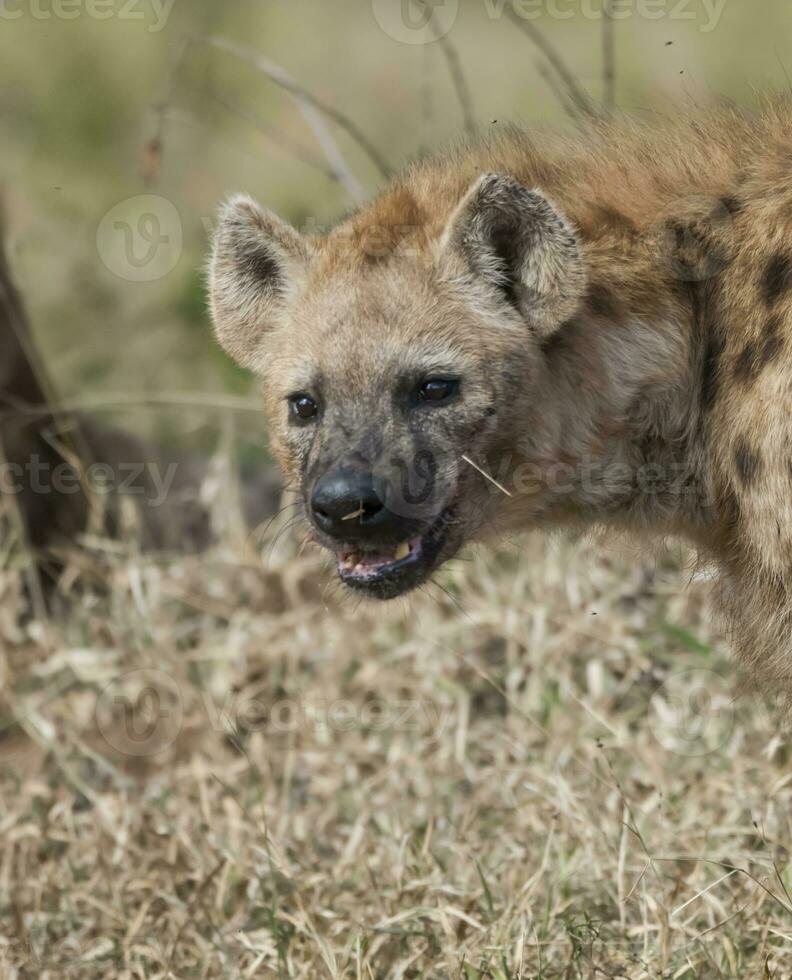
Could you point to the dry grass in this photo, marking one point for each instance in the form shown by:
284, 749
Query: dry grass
220, 767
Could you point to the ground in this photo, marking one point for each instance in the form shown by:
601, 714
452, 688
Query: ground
222, 767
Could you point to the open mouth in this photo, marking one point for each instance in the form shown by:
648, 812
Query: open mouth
386, 571
366, 565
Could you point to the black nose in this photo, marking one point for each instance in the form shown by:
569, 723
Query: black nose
345, 503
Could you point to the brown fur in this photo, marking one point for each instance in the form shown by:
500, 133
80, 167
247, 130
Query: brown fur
634, 373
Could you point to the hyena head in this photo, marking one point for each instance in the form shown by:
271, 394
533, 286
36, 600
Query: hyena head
393, 352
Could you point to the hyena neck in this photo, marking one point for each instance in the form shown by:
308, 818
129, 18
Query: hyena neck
617, 434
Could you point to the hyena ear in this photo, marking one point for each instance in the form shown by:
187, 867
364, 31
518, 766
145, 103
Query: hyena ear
520, 245
258, 262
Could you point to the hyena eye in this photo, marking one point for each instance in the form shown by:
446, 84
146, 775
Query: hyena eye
435, 390
303, 407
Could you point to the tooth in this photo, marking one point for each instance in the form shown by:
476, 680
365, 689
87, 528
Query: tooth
402, 551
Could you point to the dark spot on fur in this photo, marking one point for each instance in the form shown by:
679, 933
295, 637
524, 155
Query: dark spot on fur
732, 205
708, 334
757, 355
772, 341
693, 254
727, 513
745, 365
705, 304
777, 278
710, 370
729, 508
562, 338
601, 301
747, 461
613, 220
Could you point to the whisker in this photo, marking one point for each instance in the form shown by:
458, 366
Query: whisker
426, 592
260, 530
454, 601
293, 522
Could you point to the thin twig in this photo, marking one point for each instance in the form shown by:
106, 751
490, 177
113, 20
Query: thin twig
427, 99
155, 147
139, 399
152, 157
608, 57
553, 83
703, 891
281, 139
576, 93
486, 475
457, 73
191, 908
313, 109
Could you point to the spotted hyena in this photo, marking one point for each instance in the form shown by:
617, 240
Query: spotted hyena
540, 331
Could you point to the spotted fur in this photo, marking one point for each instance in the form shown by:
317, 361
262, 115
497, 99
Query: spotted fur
613, 301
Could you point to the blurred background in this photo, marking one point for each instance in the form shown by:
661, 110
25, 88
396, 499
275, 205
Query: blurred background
104, 102
220, 765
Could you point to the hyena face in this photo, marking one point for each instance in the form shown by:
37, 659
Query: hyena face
389, 352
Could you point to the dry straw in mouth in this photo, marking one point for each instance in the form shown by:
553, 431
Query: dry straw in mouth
486, 475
